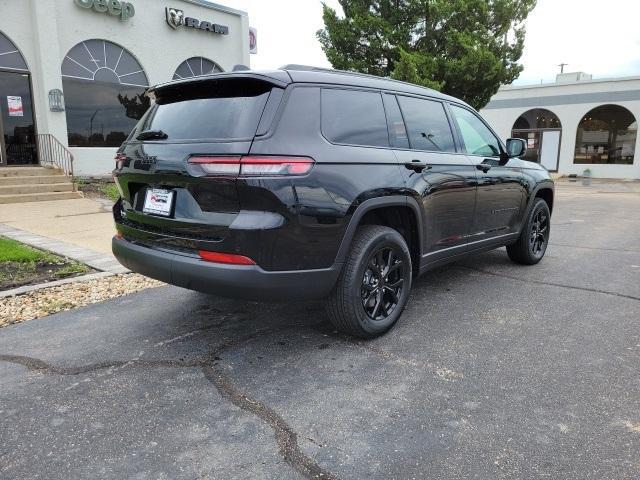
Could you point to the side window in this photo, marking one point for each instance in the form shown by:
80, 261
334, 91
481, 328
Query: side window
397, 131
354, 117
427, 124
477, 138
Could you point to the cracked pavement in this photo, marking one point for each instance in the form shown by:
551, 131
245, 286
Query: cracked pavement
495, 371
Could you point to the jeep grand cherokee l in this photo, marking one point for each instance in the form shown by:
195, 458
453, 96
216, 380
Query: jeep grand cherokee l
305, 183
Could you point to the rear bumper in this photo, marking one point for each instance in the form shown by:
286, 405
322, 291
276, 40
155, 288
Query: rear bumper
235, 281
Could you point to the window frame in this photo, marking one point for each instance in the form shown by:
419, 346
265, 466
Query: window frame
389, 126
357, 89
461, 139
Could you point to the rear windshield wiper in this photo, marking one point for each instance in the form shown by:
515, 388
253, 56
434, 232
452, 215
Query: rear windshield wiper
152, 135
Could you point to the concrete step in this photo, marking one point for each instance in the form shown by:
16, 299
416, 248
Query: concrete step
38, 197
32, 179
28, 171
37, 188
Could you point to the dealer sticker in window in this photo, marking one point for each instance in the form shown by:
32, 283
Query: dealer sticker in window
158, 201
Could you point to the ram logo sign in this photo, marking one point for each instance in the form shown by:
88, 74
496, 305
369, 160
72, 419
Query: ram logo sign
175, 17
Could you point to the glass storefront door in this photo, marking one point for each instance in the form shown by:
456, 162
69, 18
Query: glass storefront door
543, 146
17, 126
532, 138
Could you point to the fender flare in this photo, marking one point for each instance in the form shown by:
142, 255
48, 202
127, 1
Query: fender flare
373, 204
547, 185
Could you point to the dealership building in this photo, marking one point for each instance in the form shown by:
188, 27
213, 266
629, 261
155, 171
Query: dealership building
73, 72
576, 124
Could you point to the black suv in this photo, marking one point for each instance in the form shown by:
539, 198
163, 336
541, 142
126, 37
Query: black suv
306, 183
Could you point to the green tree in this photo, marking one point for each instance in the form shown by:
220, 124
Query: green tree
465, 48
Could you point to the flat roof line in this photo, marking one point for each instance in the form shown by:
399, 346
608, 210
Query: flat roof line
507, 88
567, 99
218, 7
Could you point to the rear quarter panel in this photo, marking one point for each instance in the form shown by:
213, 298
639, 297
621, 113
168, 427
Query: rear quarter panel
321, 204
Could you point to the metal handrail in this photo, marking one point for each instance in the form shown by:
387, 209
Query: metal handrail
52, 152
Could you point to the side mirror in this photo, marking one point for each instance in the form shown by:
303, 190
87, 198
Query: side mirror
516, 147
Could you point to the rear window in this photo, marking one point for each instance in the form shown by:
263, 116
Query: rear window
219, 110
354, 117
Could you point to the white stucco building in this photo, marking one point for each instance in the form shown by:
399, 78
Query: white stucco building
574, 124
76, 69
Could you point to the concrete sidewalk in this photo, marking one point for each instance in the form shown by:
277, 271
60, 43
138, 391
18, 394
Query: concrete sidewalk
82, 222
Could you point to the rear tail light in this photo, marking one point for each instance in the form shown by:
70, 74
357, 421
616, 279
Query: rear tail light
222, 166
250, 166
228, 258
253, 166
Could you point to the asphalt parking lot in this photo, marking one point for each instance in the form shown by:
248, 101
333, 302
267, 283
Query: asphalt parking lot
495, 371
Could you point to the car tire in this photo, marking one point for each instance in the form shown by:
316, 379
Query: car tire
534, 238
374, 285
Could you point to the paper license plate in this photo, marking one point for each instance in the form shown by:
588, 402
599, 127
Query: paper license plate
158, 201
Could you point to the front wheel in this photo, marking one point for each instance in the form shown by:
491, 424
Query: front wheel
534, 238
374, 285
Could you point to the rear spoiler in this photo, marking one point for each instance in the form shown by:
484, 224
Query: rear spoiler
276, 78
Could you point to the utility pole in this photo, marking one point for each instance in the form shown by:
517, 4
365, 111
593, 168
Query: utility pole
562, 65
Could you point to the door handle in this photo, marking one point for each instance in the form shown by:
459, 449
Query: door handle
417, 165
485, 167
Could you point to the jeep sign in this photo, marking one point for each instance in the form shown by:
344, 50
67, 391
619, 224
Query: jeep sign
117, 8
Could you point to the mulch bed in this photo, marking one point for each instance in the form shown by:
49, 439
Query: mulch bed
18, 274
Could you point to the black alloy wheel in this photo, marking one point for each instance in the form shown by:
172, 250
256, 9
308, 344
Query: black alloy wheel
538, 237
374, 284
532, 244
382, 283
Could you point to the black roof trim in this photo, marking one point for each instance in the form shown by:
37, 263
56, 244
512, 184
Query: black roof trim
293, 73
311, 74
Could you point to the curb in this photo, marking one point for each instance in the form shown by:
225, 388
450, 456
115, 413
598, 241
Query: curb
31, 288
96, 260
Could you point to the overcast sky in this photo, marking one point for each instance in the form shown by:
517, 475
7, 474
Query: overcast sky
594, 36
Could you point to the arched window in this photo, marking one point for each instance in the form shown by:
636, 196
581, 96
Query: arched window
10, 56
606, 134
196, 67
104, 89
538, 118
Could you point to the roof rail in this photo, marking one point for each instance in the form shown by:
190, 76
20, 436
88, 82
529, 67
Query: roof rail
304, 68
310, 68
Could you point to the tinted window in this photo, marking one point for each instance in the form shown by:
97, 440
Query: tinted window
101, 114
18, 126
427, 124
354, 117
607, 134
397, 131
104, 89
477, 138
217, 110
